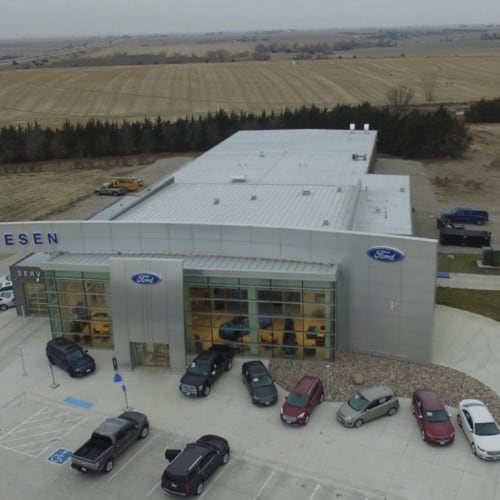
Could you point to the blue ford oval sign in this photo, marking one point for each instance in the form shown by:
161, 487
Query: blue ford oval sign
145, 278
385, 254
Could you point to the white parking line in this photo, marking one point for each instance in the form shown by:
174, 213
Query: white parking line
152, 490
314, 492
264, 485
110, 478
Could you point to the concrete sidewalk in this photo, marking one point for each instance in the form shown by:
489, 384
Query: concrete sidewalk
473, 281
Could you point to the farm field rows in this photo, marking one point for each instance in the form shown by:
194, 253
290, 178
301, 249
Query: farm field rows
52, 95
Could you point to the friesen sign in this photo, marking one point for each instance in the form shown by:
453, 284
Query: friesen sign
25, 239
385, 254
145, 278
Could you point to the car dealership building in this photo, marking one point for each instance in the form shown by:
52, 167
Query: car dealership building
282, 242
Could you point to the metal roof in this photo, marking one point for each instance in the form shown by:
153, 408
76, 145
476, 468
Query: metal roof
203, 265
303, 179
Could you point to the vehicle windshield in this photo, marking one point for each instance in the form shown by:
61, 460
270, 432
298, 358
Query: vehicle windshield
261, 381
358, 402
76, 355
297, 400
436, 416
198, 368
487, 429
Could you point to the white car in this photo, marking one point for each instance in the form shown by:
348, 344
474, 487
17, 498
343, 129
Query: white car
479, 428
6, 300
5, 282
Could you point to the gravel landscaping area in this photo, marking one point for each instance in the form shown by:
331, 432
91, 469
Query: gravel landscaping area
351, 372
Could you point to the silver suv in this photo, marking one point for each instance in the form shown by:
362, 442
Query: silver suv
367, 405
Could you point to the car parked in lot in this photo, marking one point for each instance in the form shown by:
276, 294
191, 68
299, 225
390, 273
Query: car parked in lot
7, 300
69, 356
301, 401
432, 418
6, 283
259, 383
367, 405
190, 468
238, 327
480, 429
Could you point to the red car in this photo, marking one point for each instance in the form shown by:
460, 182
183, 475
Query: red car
306, 395
433, 419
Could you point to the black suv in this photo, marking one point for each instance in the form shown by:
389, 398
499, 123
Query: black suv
69, 356
259, 383
190, 468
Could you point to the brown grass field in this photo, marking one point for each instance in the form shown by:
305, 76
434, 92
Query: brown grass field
460, 72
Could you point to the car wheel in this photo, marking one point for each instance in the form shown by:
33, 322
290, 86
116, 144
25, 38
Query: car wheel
206, 391
306, 420
392, 411
358, 422
3, 307
459, 421
144, 432
225, 458
199, 488
422, 435
229, 364
109, 465
322, 398
473, 448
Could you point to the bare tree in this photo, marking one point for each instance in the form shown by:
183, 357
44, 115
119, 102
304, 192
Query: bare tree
399, 98
428, 85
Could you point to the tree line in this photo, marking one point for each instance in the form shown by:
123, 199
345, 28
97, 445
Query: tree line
410, 134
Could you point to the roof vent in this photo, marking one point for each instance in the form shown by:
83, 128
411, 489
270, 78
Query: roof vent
326, 222
366, 127
306, 192
235, 179
339, 189
401, 189
216, 201
352, 127
356, 157
262, 154
253, 197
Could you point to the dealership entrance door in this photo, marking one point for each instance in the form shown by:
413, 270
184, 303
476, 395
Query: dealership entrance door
149, 354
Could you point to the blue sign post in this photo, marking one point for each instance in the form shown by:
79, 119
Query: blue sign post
124, 389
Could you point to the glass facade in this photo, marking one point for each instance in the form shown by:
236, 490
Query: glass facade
263, 317
79, 306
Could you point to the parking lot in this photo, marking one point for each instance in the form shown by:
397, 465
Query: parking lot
40, 425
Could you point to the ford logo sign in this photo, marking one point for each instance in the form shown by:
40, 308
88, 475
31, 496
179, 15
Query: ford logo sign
145, 278
385, 254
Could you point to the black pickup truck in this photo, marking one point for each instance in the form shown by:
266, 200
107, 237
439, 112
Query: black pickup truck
109, 440
463, 237
205, 369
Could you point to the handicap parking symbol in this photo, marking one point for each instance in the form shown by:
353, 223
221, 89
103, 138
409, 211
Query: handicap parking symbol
60, 456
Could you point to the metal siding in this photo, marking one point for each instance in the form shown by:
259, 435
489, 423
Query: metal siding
148, 313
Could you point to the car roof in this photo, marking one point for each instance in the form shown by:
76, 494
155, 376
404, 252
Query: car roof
376, 392
430, 398
188, 457
63, 344
256, 367
305, 384
477, 409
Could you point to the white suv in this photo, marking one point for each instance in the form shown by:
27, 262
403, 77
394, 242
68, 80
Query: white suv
6, 300
5, 283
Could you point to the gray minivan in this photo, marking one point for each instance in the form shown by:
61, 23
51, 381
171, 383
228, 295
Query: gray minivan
367, 405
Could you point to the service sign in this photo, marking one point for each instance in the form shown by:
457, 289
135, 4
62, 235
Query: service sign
385, 254
145, 278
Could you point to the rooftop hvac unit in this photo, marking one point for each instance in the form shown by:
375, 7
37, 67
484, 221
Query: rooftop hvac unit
357, 157
306, 192
366, 127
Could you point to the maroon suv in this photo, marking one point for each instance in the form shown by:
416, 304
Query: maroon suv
302, 400
432, 417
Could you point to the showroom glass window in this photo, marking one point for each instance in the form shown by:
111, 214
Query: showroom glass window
79, 306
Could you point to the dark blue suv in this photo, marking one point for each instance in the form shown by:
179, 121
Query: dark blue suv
69, 356
238, 326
